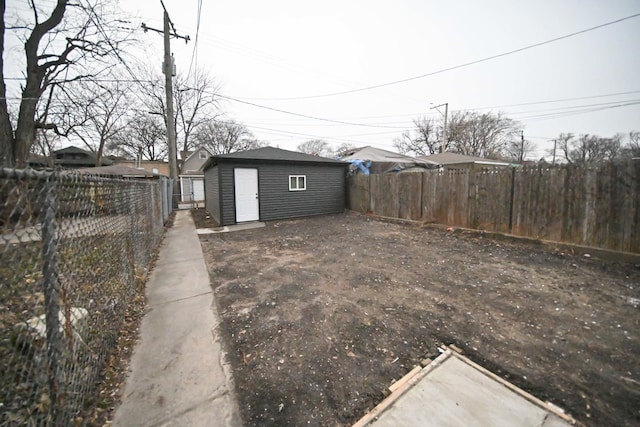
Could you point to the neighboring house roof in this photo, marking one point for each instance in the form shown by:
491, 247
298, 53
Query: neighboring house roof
193, 164
270, 154
119, 171
378, 155
74, 156
38, 160
448, 158
375, 160
197, 152
69, 157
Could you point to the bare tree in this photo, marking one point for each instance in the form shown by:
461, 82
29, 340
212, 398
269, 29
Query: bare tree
517, 150
195, 104
47, 138
143, 136
101, 108
64, 43
589, 149
633, 147
44, 144
316, 147
342, 148
481, 135
225, 136
423, 140
563, 143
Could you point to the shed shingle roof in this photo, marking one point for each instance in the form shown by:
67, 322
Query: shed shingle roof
277, 154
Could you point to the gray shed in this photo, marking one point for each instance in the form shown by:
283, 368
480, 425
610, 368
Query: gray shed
269, 183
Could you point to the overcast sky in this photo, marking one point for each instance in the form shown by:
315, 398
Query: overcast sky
262, 51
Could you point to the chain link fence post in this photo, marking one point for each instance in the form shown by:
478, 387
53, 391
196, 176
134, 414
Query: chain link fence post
51, 291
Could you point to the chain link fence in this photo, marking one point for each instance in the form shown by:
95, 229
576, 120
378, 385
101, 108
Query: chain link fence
74, 251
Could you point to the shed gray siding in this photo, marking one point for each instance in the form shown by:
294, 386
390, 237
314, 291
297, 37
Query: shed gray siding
227, 195
212, 192
325, 191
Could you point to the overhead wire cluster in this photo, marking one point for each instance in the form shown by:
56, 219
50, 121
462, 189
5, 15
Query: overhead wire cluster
406, 124
391, 123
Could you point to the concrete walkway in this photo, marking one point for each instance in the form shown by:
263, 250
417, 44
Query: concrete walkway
178, 375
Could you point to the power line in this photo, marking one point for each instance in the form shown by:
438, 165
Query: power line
555, 100
288, 133
550, 101
415, 114
578, 111
455, 67
194, 53
559, 110
305, 115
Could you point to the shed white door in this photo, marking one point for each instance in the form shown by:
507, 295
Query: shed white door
246, 192
198, 189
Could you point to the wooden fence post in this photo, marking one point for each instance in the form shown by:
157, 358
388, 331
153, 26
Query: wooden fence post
472, 198
511, 198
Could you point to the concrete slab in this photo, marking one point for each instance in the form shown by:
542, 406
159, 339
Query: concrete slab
453, 391
230, 228
178, 374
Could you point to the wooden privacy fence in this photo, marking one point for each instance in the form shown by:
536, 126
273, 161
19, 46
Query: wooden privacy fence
595, 206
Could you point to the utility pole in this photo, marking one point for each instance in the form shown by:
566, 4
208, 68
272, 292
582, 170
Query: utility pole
168, 86
444, 129
521, 146
168, 89
555, 142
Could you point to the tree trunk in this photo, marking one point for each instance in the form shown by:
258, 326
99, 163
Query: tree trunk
15, 148
25, 131
6, 130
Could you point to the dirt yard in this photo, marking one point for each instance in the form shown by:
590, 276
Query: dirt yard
320, 315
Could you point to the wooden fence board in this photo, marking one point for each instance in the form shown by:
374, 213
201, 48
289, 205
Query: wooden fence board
358, 193
592, 206
410, 191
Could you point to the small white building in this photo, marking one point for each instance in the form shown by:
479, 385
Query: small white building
192, 178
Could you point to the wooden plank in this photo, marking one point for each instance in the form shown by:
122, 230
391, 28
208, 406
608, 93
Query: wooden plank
393, 387
456, 348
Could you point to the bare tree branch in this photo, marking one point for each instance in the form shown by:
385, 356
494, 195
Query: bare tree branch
61, 48
423, 140
481, 135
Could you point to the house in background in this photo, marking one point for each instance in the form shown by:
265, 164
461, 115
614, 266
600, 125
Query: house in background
68, 158
269, 183
120, 171
450, 160
191, 178
369, 160
157, 167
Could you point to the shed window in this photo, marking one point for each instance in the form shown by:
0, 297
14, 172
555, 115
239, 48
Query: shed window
202, 155
297, 182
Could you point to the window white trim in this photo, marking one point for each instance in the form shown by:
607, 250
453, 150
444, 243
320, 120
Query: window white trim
203, 155
297, 182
